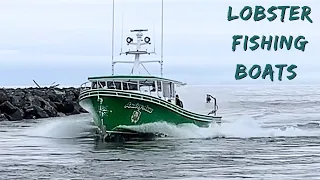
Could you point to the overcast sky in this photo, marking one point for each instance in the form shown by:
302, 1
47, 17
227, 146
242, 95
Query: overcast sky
66, 41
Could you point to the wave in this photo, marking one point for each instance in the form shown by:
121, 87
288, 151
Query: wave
245, 127
238, 129
63, 127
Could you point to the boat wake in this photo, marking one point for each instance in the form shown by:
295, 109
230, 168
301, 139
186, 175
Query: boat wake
81, 127
236, 129
63, 128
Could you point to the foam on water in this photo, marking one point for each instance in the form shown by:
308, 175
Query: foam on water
242, 128
65, 127
81, 126
289, 158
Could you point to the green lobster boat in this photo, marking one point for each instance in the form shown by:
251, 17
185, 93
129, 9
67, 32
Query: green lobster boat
119, 102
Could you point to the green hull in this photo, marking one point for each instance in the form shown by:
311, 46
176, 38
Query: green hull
114, 109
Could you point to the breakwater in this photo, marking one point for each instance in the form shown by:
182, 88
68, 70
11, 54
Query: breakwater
34, 103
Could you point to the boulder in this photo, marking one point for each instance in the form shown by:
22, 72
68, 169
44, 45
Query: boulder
77, 108
39, 92
34, 111
3, 117
11, 112
7, 108
3, 96
65, 107
36, 102
16, 116
17, 98
55, 96
70, 96
31, 103
61, 114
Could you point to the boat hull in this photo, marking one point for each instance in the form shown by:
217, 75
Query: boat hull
115, 110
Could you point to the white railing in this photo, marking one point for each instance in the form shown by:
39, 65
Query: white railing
84, 86
86, 91
118, 93
124, 85
132, 86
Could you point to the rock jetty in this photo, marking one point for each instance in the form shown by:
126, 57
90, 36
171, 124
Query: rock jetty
34, 103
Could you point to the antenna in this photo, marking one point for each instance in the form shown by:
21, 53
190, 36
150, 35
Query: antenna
154, 41
122, 32
141, 40
112, 37
161, 38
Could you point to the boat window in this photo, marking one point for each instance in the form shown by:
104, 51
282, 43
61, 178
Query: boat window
118, 85
111, 85
114, 85
166, 89
159, 85
133, 85
101, 84
130, 85
148, 84
125, 86
94, 85
172, 90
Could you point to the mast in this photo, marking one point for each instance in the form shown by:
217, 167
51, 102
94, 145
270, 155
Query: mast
137, 52
112, 37
161, 62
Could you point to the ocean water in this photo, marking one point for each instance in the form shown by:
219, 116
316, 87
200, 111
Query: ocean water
269, 132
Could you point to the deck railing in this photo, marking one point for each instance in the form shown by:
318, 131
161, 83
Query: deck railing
124, 85
118, 93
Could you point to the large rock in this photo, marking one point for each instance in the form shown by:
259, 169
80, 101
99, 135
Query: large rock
16, 104
70, 96
33, 112
39, 92
65, 107
3, 117
55, 95
39, 104
17, 98
11, 112
77, 108
7, 107
16, 116
3, 96
76, 94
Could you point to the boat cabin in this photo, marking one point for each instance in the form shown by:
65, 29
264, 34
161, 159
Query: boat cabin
155, 86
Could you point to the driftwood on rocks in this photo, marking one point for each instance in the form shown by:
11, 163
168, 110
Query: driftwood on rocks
34, 103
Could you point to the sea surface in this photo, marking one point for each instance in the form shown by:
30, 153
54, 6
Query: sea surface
269, 132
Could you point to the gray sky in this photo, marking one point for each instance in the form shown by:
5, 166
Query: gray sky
68, 40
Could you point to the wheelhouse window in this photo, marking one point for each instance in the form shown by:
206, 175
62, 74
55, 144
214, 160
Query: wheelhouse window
114, 85
172, 90
147, 85
159, 85
130, 85
94, 85
168, 89
101, 84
